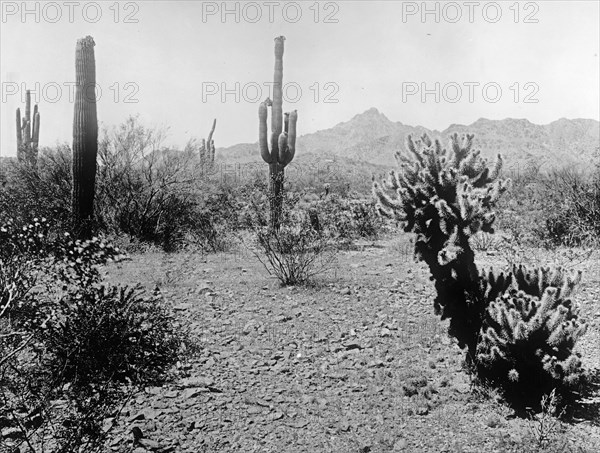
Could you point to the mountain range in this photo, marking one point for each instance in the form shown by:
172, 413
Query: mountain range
371, 138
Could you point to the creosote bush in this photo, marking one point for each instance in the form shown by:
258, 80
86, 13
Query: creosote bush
297, 251
43, 190
519, 326
70, 345
344, 219
110, 333
553, 207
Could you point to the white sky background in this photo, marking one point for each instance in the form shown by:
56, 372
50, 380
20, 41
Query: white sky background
371, 57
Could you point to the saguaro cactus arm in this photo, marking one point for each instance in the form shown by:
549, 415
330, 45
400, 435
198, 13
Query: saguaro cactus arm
212, 130
287, 140
27, 122
211, 143
263, 143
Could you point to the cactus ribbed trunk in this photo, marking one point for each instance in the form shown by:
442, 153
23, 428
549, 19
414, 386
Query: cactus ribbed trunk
85, 136
19, 136
276, 177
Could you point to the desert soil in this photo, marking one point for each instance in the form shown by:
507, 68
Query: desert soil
357, 362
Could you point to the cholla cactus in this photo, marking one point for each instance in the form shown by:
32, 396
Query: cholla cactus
28, 132
207, 150
283, 142
445, 198
520, 327
529, 333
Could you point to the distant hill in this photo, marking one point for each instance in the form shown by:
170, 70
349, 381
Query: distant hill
364, 146
371, 138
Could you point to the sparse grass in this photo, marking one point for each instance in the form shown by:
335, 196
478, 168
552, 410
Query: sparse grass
483, 242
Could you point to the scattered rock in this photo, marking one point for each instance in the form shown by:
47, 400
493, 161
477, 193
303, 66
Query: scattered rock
349, 345
275, 416
144, 414
409, 389
12, 433
493, 421
400, 445
375, 363
299, 423
193, 392
422, 410
197, 381
203, 289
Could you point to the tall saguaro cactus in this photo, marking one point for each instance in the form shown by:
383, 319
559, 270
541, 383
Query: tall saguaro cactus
28, 133
85, 135
283, 143
207, 150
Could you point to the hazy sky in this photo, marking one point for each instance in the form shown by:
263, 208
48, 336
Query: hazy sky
170, 62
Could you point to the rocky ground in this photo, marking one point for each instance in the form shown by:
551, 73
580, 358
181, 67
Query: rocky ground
356, 362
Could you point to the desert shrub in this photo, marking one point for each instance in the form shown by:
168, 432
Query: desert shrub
162, 196
341, 219
221, 213
143, 189
43, 190
109, 333
572, 208
71, 346
518, 326
482, 242
294, 253
553, 208
520, 210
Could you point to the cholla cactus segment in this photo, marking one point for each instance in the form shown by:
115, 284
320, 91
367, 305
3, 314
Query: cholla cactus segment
534, 281
533, 337
459, 185
513, 375
491, 286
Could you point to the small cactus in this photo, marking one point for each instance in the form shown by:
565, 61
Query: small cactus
28, 132
207, 150
283, 137
85, 136
529, 332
